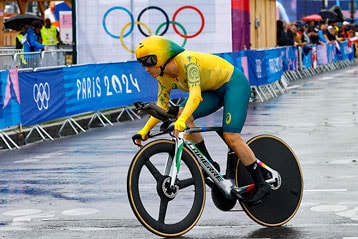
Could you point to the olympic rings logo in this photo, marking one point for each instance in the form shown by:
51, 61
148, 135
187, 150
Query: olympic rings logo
160, 30
41, 95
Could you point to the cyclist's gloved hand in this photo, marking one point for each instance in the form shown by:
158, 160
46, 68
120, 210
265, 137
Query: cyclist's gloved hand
140, 136
179, 125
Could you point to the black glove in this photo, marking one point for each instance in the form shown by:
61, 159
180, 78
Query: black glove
135, 137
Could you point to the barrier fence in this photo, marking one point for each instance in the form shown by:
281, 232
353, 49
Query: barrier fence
31, 97
11, 58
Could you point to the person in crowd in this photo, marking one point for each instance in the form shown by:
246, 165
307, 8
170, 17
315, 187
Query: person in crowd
21, 38
280, 28
331, 34
32, 43
212, 83
297, 35
322, 33
344, 30
49, 33
305, 38
313, 35
286, 38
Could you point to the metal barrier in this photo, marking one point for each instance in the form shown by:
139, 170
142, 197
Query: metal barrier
9, 50
6, 61
53, 58
10, 58
27, 60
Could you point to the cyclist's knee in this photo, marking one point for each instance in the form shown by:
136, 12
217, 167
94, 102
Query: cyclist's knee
232, 138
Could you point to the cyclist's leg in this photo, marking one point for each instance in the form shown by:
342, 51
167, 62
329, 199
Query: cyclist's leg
236, 99
210, 104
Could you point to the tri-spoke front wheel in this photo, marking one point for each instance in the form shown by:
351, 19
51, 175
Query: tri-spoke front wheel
165, 210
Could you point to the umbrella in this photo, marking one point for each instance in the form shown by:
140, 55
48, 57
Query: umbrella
18, 21
313, 17
328, 14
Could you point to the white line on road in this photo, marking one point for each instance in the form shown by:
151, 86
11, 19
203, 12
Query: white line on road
327, 190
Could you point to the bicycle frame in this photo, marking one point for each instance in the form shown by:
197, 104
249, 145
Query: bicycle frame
226, 185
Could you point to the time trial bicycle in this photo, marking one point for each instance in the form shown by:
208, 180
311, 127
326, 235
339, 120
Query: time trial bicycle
166, 182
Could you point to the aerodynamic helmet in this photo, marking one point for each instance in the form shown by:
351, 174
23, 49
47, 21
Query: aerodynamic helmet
156, 51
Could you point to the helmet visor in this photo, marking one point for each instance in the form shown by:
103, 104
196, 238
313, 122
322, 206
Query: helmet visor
148, 61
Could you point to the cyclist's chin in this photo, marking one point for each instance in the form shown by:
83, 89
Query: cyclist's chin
154, 75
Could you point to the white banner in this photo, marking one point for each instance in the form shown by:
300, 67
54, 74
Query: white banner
109, 30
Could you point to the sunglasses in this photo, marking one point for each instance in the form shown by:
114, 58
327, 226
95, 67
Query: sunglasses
148, 61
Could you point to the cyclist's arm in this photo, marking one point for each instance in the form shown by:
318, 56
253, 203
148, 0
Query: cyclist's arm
194, 99
162, 102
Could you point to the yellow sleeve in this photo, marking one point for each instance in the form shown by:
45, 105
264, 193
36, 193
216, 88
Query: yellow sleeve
194, 99
162, 102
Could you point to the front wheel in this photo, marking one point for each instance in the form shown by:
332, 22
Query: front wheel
164, 210
285, 198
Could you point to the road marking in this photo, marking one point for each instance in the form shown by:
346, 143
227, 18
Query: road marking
326, 78
293, 87
329, 208
327, 190
351, 214
79, 211
22, 212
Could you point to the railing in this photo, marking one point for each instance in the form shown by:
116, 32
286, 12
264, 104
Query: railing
10, 58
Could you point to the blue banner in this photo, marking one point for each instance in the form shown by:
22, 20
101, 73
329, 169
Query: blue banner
331, 53
307, 56
255, 64
265, 66
345, 51
289, 56
103, 86
42, 96
273, 65
9, 99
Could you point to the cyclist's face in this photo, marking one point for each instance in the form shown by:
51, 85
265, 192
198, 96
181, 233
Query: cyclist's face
153, 71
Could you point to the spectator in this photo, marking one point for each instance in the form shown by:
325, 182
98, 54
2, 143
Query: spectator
331, 34
313, 35
280, 28
305, 38
49, 33
21, 38
286, 37
345, 27
322, 33
32, 42
297, 36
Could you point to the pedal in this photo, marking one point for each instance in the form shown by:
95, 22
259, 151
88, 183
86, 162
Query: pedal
236, 193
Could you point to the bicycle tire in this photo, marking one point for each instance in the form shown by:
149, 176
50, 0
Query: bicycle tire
146, 192
282, 204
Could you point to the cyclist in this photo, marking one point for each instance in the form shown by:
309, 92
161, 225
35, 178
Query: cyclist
212, 82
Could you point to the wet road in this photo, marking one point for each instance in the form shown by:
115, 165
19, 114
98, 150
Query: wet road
75, 187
